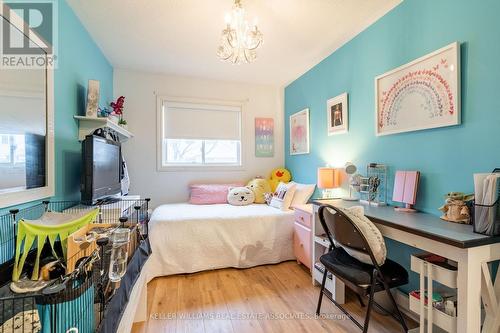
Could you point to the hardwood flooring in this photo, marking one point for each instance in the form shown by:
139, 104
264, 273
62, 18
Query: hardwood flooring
271, 298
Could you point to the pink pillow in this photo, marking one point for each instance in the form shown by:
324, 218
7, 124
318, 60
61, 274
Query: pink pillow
207, 194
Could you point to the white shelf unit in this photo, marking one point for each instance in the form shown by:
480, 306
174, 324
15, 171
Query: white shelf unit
87, 125
320, 245
433, 272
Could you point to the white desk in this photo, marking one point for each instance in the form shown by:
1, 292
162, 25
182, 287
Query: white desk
457, 242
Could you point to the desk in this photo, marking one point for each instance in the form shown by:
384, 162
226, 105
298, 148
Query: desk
457, 242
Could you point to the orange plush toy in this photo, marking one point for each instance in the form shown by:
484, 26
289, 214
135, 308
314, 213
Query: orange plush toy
279, 175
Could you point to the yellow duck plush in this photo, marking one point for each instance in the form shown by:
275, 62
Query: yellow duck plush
259, 187
279, 175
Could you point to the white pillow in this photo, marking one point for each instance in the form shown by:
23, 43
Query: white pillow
370, 231
240, 196
302, 193
284, 196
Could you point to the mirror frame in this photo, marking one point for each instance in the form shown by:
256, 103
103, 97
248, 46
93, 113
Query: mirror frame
25, 196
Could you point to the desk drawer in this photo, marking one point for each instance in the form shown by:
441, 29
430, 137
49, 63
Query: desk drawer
303, 218
446, 276
302, 244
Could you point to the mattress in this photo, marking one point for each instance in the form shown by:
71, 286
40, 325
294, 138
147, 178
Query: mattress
190, 238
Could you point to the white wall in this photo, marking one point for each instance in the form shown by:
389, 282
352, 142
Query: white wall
140, 91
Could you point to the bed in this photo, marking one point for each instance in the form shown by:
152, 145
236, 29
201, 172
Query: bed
189, 238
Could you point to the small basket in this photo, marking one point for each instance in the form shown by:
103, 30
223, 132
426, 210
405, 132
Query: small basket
486, 218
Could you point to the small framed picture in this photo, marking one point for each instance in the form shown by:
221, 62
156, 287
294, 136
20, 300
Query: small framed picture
337, 115
299, 133
92, 99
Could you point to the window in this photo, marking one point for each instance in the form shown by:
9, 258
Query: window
12, 149
199, 134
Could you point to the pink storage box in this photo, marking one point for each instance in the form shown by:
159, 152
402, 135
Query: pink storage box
207, 194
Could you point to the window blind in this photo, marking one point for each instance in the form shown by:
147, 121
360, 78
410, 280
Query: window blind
201, 121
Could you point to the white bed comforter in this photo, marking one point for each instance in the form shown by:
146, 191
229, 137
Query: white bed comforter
190, 238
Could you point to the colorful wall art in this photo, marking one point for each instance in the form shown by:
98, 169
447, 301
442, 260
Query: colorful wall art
264, 137
420, 95
299, 133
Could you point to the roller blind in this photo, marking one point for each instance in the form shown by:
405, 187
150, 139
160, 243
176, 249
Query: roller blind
201, 121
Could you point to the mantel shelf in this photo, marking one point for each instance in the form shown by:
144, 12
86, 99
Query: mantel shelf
88, 125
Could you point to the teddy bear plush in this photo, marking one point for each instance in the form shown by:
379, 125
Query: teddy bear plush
259, 187
279, 175
240, 196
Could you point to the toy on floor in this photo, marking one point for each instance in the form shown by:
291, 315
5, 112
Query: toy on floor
259, 187
240, 196
279, 175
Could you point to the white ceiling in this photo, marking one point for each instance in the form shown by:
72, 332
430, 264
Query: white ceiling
181, 36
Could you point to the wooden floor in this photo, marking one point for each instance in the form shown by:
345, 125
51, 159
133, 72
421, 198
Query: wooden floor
272, 298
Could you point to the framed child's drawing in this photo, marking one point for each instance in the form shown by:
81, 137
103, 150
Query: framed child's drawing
299, 133
422, 94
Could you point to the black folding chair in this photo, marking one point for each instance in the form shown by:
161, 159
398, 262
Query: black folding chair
363, 279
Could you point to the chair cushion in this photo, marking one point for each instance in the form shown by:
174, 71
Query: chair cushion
341, 264
371, 233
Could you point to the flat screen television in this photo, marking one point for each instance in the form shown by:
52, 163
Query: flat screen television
102, 169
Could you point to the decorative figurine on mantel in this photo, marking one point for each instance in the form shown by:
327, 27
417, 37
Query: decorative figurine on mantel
456, 207
118, 111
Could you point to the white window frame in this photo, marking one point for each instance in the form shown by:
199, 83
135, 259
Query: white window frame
8, 199
160, 100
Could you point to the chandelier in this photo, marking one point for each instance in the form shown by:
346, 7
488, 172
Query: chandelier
239, 40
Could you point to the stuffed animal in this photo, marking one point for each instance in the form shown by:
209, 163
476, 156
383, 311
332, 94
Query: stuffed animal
240, 196
456, 208
259, 187
279, 175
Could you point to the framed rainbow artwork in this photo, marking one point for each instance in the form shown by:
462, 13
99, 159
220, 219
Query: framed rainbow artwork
422, 94
264, 137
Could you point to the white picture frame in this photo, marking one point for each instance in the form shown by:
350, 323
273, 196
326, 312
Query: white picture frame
422, 94
337, 114
23, 196
299, 132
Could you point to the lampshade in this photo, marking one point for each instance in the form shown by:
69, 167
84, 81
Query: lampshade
328, 178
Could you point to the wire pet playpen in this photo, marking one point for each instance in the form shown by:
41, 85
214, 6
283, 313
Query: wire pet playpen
75, 302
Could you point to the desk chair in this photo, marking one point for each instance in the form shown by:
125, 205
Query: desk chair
363, 279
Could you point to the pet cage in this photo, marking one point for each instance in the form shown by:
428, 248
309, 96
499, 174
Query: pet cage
77, 301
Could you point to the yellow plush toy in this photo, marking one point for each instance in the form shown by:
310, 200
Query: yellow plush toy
279, 175
259, 187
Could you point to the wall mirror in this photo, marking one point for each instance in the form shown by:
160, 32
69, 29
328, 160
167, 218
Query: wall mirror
26, 132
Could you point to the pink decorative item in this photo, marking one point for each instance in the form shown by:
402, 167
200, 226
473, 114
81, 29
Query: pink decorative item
405, 189
208, 194
118, 106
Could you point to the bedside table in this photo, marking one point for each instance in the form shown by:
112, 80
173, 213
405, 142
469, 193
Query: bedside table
302, 236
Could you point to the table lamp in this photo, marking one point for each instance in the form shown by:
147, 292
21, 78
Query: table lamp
328, 179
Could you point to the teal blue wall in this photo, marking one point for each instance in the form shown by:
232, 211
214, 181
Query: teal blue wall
447, 157
80, 59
